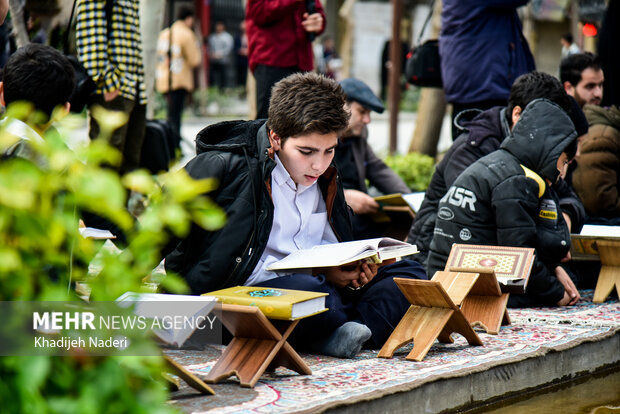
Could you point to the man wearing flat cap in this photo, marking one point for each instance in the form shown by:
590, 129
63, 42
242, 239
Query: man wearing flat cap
357, 162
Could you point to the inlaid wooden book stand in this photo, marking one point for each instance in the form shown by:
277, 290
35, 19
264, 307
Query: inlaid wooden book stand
477, 292
258, 344
432, 315
609, 276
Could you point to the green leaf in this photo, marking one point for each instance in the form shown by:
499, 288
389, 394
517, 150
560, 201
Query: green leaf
182, 187
140, 181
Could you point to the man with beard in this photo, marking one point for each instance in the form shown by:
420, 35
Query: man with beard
582, 78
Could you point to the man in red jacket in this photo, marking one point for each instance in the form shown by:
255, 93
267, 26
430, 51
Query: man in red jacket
280, 34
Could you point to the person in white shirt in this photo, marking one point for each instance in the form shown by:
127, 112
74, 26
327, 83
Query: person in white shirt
281, 193
568, 46
220, 53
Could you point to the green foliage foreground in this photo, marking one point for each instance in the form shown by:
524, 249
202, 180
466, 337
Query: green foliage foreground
42, 256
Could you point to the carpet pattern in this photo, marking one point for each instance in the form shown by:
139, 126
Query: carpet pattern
533, 332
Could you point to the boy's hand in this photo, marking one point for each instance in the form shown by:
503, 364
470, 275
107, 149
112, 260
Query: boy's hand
312, 22
367, 272
341, 276
570, 291
565, 300
360, 202
568, 221
354, 275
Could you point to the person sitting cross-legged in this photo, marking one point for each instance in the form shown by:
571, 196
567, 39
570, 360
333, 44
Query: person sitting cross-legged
484, 134
507, 199
358, 164
281, 193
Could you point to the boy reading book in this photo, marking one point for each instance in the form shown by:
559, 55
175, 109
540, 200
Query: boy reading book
281, 194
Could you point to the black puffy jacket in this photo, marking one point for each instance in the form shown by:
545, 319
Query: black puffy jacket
483, 135
502, 199
239, 156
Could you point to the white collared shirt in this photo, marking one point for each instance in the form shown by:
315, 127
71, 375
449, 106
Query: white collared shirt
22, 134
299, 222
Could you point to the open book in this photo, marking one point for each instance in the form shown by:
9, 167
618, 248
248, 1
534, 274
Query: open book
411, 200
396, 213
337, 254
188, 313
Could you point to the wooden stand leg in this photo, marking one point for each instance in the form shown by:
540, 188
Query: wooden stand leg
420, 325
609, 277
432, 315
191, 380
459, 324
286, 356
486, 312
478, 294
256, 346
506, 319
607, 280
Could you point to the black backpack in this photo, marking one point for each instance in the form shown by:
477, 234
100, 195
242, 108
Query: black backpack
423, 67
160, 145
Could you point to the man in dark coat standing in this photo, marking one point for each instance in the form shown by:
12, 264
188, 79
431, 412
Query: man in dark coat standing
481, 36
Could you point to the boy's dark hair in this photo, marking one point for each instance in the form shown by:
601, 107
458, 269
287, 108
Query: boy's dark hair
306, 103
534, 85
568, 37
40, 75
572, 66
184, 12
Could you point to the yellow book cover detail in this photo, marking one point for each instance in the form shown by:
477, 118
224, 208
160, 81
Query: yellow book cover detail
275, 303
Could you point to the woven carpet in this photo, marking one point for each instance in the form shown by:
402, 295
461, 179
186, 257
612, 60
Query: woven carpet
533, 332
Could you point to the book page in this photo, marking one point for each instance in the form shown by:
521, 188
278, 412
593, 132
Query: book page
414, 200
97, 234
159, 305
592, 230
334, 254
392, 252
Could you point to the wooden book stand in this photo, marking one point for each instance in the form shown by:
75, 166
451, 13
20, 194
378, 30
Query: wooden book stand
479, 296
191, 380
609, 276
432, 315
258, 344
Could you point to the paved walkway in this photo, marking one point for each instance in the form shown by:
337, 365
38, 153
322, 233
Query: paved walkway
378, 132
